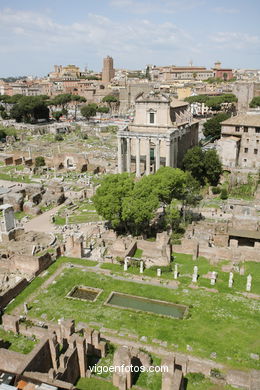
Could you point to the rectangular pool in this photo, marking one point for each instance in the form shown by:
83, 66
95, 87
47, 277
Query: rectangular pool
136, 303
84, 293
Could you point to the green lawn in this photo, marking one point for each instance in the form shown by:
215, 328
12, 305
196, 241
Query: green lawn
39, 280
223, 323
85, 212
185, 268
199, 382
18, 343
94, 384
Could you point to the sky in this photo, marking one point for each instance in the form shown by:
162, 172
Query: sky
36, 34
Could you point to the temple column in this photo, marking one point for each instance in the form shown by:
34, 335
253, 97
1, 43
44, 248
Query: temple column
128, 155
148, 158
168, 153
137, 158
119, 155
175, 152
157, 153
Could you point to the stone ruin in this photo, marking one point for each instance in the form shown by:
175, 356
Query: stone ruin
172, 378
74, 245
22, 255
156, 252
61, 357
30, 197
235, 239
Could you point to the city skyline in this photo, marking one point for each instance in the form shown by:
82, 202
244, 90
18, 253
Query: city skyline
34, 37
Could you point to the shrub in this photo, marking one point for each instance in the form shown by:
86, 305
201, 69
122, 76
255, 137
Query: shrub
216, 373
58, 137
224, 194
195, 377
39, 161
216, 190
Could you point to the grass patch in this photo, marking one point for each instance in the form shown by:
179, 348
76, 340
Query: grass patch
39, 280
223, 323
94, 384
197, 381
138, 253
18, 343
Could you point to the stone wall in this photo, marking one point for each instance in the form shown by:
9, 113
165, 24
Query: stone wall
12, 293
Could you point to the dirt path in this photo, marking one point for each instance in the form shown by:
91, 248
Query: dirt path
42, 223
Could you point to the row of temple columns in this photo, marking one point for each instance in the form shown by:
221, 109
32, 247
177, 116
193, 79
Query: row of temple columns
169, 161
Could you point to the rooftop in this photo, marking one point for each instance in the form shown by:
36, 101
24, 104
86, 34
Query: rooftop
243, 120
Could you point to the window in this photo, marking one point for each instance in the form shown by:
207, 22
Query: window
151, 117
257, 141
257, 129
246, 150
247, 140
245, 129
237, 128
255, 151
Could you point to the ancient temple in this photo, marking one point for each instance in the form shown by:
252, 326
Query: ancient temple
162, 131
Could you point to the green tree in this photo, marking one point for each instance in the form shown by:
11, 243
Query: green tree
203, 165
139, 206
213, 126
88, 111
109, 99
168, 183
103, 110
56, 115
109, 196
77, 100
173, 216
29, 109
255, 102
193, 162
39, 161
213, 167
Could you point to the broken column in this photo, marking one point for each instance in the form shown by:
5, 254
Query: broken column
195, 274
213, 278
230, 281
175, 274
9, 219
248, 283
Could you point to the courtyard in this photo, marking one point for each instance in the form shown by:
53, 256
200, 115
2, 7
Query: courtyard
220, 326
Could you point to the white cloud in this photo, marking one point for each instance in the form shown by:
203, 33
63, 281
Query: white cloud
235, 40
136, 39
156, 6
224, 10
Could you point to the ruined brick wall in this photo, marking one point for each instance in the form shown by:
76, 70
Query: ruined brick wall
12, 293
40, 358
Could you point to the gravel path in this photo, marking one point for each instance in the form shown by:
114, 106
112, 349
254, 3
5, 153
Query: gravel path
42, 223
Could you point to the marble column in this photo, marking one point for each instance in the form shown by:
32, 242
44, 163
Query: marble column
157, 157
119, 155
148, 159
137, 158
175, 152
128, 155
168, 154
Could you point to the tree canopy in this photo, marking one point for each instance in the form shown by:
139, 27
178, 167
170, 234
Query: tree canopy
29, 109
255, 102
203, 165
89, 110
130, 205
214, 102
212, 127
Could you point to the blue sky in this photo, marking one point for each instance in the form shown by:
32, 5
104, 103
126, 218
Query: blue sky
35, 35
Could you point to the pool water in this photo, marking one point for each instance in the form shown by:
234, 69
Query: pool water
85, 293
148, 305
